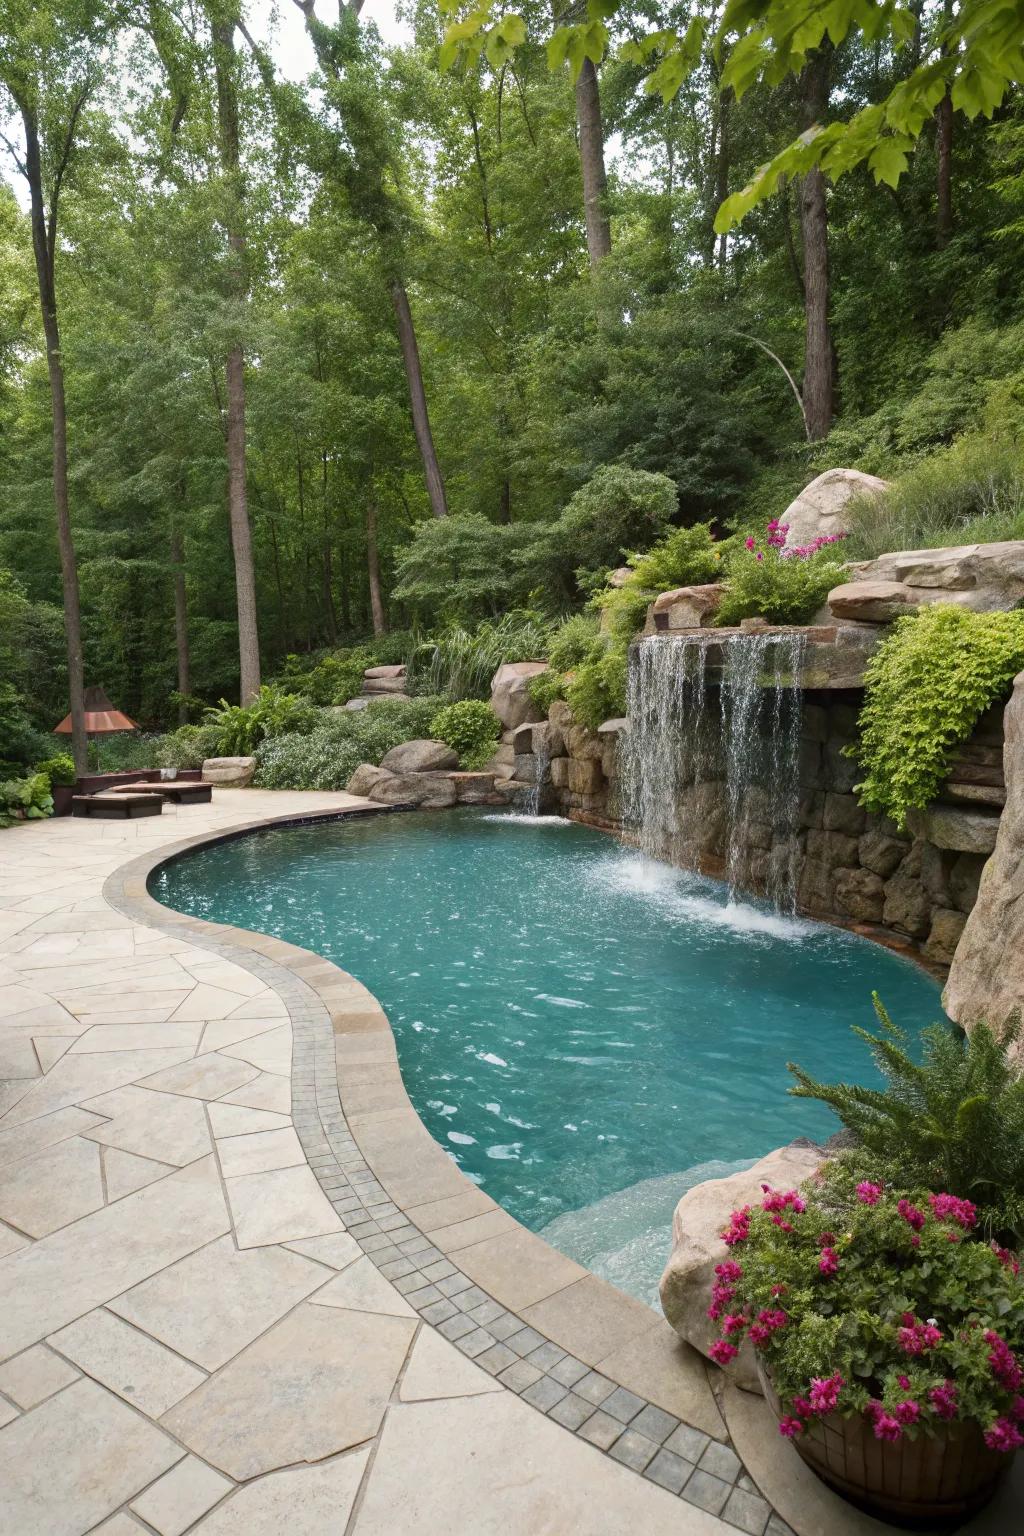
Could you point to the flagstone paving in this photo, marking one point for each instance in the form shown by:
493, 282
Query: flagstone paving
190, 1339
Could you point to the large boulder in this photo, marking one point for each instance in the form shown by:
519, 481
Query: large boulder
686, 607
986, 980
820, 509
419, 756
956, 827
872, 602
365, 779
509, 698
701, 1217
982, 577
229, 772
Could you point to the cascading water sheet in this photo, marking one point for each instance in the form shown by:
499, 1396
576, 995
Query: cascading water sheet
705, 775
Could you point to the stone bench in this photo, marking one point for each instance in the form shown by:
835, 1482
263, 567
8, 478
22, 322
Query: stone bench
181, 794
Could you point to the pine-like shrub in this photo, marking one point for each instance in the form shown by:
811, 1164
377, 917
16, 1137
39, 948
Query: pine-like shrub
572, 642
687, 557
470, 728
926, 686
597, 691
953, 1121
545, 688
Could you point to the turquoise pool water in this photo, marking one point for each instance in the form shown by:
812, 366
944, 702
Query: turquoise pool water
585, 1031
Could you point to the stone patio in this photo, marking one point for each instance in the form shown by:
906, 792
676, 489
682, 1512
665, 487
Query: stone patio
233, 1301
190, 1340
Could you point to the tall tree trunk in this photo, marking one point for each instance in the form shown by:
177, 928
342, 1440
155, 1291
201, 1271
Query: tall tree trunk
944, 180
180, 621
591, 130
722, 175
44, 241
373, 564
418, 401
223, 33
818, 356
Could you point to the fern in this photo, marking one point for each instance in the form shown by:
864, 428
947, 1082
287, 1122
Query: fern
953, 1122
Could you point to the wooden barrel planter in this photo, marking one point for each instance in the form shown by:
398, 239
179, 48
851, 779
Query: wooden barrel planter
933, 1480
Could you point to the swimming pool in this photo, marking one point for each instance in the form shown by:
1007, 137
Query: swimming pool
586, 1031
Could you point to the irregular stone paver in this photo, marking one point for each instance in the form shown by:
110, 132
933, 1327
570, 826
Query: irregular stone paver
74, 1460
148, 1036
317, 1383
310, 1501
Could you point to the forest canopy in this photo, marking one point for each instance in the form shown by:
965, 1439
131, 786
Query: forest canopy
458, 322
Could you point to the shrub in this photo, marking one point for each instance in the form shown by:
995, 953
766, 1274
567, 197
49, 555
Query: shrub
241, 727
20, 742
462, 567
59, 769
545, 688
619, 508
926, 686
784, 586
327, 756
187, 747
470, 728
955, 1122
337, 678
572, 642
26, 799
687, 557
597, 691
625, 610
875, 1302
460, 662
972, 492
122, 751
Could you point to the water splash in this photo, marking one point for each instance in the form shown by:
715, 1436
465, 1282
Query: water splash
542, 772
717, 779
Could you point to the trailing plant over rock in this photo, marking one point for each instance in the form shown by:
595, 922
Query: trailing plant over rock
927, 685
953, 1122
879, 1302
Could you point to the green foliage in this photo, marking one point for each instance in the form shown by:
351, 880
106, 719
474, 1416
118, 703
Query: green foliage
619, 508
59, 769
865, 1285
953, 1122
337, 678
972, 492
572, 642
122, 751
545, 688
625, 610
926, 686
328, 755
188, 747
241, 728
783, 591
26, 799
21, 743
687, 557
460, 662
461, 568
597, 691
470, 728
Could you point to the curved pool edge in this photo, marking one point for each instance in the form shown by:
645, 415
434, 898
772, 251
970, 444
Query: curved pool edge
496, 1290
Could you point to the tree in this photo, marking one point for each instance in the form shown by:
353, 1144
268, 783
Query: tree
819, 360
51, 66
223, 18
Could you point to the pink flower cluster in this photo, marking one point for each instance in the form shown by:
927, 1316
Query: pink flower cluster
1004, 1363
776, 1202
1003, 1436
869, 1194
944, 1400
1006, 1258
822, 1399
951, 1208
911, 1215
768, 1321
916, 1338
739, 1228
805, 551
886, 1426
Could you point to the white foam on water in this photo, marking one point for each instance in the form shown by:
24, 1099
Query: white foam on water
681, 896
524, 819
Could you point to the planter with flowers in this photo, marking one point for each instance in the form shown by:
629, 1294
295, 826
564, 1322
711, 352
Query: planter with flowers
889, 1337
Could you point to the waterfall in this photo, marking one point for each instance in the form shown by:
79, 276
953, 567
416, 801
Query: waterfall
704, 780
542, 768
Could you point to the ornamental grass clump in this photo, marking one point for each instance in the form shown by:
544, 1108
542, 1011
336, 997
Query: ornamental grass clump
870, 1301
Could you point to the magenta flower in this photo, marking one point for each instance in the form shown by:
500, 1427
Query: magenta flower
1017, 1408
722, 1352
825, 1392
903, 1382
828, 1263
1006, 1258
759, 555
916, 1338
944, 1400
911, 1215
729, 1271
803, 1407
733, 1322
1003, 1436
749, 542
908, 1412
888, 1428
739, 1227
951, 1208
790, 1428
1004, 1363
869, 1194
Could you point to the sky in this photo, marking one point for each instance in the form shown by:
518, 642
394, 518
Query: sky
281, 23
